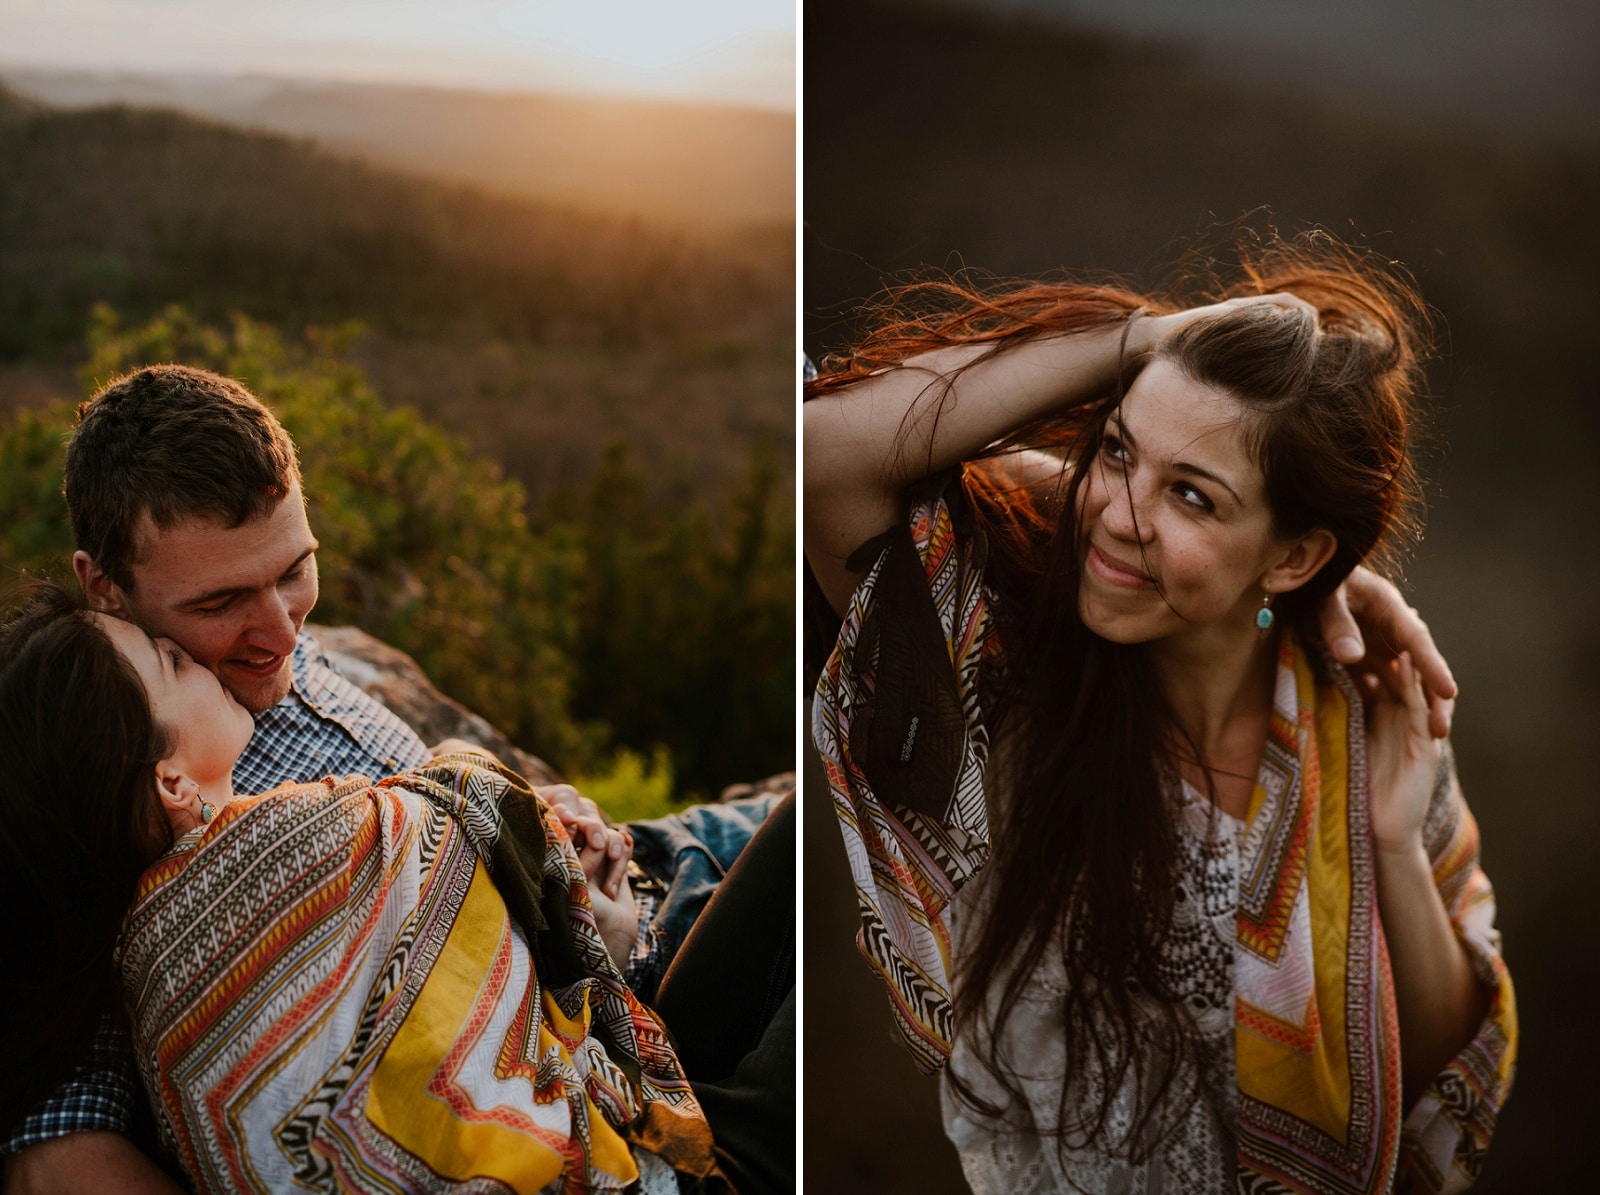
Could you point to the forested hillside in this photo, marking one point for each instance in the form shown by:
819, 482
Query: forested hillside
555, 326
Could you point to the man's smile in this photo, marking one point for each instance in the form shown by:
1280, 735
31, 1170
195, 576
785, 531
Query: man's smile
259, 669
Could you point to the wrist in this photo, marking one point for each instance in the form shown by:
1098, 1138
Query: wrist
1405, 850
1145, 333
617, 919
619, 941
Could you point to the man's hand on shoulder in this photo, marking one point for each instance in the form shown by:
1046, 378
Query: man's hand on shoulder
1366, 623
99, 1162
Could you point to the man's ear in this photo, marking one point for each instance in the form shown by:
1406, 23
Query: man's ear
1303, 558
101, 592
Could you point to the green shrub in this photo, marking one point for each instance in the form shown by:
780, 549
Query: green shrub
685, 633
631, 787
36, 540
615, 625
423, 544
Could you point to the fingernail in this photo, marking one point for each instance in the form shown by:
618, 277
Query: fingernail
1347, 649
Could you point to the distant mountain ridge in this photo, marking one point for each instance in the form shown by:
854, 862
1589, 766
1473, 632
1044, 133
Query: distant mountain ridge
135, 206
540, 330
14, 105
674, 163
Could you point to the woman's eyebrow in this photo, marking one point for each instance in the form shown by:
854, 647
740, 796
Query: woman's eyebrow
1181, 466
1197, 471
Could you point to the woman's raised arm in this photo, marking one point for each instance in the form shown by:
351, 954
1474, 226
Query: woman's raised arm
863, 446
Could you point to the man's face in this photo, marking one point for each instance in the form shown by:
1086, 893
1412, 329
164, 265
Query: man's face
234, 598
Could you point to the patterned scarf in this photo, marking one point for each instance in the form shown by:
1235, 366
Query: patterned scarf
1316, 1036
354, 987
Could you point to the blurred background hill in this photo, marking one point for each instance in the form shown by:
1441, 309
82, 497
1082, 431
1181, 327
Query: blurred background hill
552, 327
697, 164
1013, 139
596, 344
1521, 72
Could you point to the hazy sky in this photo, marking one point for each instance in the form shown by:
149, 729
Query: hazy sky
734, 50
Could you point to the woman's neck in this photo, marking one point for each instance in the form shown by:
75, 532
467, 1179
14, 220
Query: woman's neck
218, 791
1219, 687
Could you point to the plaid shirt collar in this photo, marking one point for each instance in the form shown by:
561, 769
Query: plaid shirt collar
325, 726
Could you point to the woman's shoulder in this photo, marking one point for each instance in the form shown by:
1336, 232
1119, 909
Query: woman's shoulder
470, 775
283, 814
1326, 674
289, 800
257, 862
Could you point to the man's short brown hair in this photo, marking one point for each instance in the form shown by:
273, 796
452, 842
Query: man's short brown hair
177, 442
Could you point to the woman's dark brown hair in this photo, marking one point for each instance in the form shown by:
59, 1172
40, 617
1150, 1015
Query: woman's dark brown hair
1085, 857
80, 820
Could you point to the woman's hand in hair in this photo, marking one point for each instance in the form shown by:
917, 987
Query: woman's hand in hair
1366, 624
1149, 331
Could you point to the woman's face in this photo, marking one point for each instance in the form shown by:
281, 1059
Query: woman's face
211, 728
1174, 497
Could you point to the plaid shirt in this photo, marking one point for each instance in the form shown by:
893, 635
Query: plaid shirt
100, 1094
325, 726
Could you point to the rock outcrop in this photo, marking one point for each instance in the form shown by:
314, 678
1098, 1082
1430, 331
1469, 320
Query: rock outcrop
396, 680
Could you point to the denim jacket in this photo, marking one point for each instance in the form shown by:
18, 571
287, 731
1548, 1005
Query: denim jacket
683, 858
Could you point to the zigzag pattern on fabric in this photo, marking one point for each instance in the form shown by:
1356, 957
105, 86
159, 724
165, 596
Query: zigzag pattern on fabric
1273, 1138
283, 950
906, 867
1279, 838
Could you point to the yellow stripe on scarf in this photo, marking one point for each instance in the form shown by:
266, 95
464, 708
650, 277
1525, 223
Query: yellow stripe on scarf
1303, 1066
422, 1122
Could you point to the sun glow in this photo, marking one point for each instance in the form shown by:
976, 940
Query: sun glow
730, 50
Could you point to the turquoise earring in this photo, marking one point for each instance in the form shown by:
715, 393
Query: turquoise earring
1264, 616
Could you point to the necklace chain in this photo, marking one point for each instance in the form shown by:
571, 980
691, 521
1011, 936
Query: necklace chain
1216, 771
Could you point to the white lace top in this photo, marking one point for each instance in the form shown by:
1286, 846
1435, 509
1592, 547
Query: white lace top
1019, 1157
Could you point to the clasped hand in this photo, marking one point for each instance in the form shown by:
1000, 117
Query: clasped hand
603, 852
